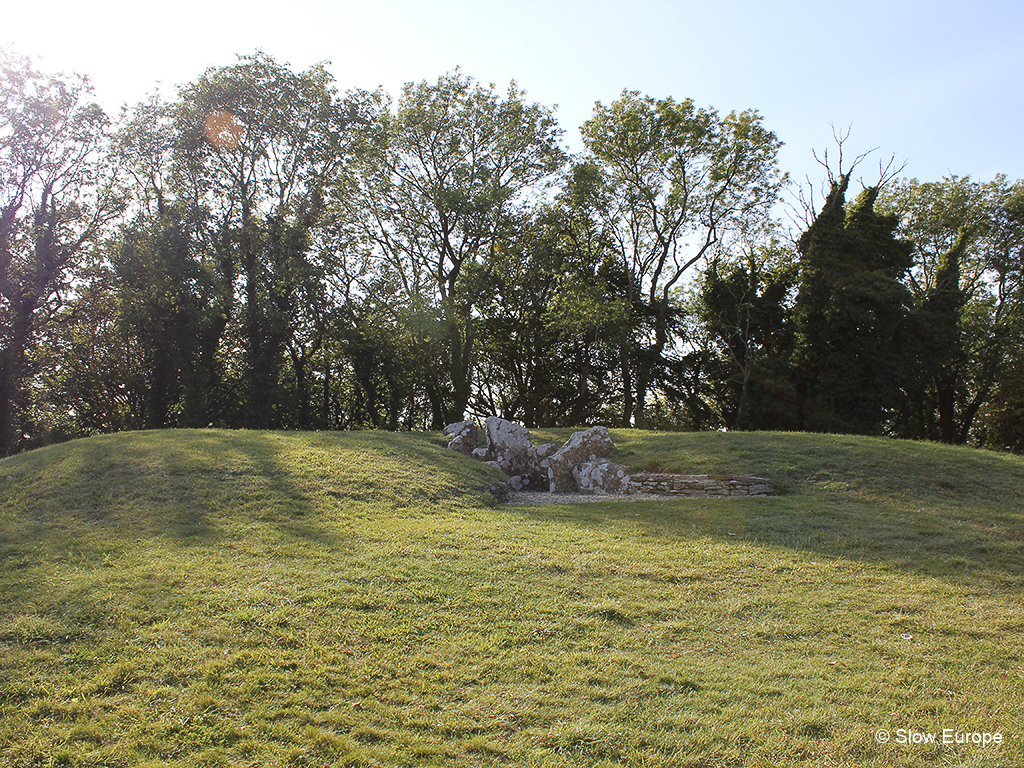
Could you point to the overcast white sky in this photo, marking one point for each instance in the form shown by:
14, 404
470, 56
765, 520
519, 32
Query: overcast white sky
940, 85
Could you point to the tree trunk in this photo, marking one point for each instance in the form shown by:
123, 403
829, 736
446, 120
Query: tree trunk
159, 395
649, 361
301, 391
437, 410
627, 381
325, 414
581, 401
8, 404
14, 369
945, 389
460, 347
742, 417
970, 413
643, 385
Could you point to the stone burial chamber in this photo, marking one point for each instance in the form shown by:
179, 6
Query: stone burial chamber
581, 465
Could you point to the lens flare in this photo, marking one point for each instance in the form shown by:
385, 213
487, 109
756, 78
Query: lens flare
224, 130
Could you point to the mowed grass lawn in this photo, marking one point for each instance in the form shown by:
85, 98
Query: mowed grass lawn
210, 598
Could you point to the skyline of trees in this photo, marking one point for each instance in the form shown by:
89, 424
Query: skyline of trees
266, 252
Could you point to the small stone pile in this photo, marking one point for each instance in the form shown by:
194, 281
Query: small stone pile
581, 465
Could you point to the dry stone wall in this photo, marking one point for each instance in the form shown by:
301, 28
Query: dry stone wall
700, 485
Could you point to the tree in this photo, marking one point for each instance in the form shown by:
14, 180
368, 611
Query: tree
677, 177
517, 350
90, 375
175, 286
452, 166
966, 281
57, 194
1002, 418
744, 303
174, 304
548, 322
259, 145
850, 356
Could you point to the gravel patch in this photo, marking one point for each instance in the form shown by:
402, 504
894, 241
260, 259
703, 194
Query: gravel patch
533, 498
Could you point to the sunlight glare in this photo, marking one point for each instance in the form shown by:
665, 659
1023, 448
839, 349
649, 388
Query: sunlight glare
224, 130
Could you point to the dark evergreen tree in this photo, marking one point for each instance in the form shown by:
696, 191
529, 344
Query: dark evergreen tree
850, 357
936, 331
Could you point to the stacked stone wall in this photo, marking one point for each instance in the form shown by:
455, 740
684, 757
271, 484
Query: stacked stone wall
700, 485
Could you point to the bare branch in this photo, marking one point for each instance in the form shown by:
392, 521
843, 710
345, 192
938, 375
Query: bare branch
805, 206
889, 171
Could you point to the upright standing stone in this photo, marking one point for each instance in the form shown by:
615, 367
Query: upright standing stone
593, 443
510, 446
544, 450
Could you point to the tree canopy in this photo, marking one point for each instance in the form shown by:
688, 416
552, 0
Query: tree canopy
265, 251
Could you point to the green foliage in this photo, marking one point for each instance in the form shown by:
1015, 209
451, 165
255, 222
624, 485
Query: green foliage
174, 305
548, 326
745, 306
436, 197
967, 286
258, 145
850, 356
674, 174
89, 367
57, 194
272, 253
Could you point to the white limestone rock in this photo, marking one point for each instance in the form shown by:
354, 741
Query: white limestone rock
591, 444
601, 477
510, 447
463, 436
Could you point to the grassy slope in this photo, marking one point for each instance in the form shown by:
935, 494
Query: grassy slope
215, 598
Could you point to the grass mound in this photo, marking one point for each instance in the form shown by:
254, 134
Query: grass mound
231, 598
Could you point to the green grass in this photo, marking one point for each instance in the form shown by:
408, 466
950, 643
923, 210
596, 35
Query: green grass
213, 598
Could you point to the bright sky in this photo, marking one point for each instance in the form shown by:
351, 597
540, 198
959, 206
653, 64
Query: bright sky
937, 83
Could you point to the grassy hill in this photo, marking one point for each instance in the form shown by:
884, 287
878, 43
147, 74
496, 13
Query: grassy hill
206, 598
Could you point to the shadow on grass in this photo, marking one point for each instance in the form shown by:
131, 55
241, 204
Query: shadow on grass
205, 487
945, 511
952, 513
196, 488
938, 542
